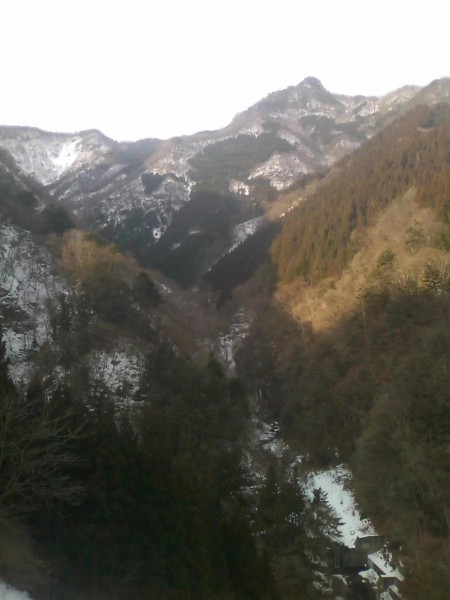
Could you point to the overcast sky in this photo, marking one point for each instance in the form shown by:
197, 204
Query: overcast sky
160, 68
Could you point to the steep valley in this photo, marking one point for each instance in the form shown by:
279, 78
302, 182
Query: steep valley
223, 357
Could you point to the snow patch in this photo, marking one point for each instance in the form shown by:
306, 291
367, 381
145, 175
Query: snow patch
26, 284
119, 370
289, 137
230, 341
335, 483
9, 593
268, 435
382, 562
255, 129
244, 230
176, 161
370, 576
282, 169
129, 197
46, 156
239, 187
65, 156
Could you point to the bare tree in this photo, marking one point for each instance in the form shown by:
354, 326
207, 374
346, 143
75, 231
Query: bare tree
36, 452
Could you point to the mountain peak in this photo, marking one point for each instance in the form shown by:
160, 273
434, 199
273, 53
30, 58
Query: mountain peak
312, 82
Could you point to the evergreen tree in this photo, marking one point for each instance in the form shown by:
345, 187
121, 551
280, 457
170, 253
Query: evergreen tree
6, 385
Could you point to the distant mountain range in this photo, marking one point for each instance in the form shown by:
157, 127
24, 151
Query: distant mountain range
181, 204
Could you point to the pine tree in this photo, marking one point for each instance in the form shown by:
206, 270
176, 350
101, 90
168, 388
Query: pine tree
324, 523
6, 384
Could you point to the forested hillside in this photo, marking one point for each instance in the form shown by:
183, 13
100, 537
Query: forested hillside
359, 335
164, 440
127, 469
318, 238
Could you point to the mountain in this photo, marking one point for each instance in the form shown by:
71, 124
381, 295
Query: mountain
358, 331
321, 126
149, 197
173, 432
200, 209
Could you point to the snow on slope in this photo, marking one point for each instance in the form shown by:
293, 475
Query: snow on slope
382, 561
119, 370
231, 340
46, 156
169, 197
243, 230
282, 169
9, 593
335, 483
46, 163
26, 284
269, 437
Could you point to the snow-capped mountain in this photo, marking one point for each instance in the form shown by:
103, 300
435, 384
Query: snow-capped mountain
130, 192
321, 126
46, 157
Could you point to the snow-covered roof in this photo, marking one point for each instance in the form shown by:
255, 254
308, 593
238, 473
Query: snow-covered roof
9, 593
370, 576
382, 561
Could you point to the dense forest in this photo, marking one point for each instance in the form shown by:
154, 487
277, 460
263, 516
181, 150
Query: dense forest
319, 237
159, 493
359, 335
235, 158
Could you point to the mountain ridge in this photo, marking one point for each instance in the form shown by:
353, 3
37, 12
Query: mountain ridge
105, 185
343, 359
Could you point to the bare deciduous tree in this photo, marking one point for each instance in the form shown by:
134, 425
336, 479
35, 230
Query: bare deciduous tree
35, 455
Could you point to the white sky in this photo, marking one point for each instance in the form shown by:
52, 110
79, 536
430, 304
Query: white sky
159, 68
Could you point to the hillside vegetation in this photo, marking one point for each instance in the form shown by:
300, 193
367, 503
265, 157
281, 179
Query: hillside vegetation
234, 158
318, 236
352, 357
119, 487
132, 466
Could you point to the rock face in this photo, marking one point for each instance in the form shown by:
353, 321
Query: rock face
27, 284
320, 126
47, 157
130, 192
